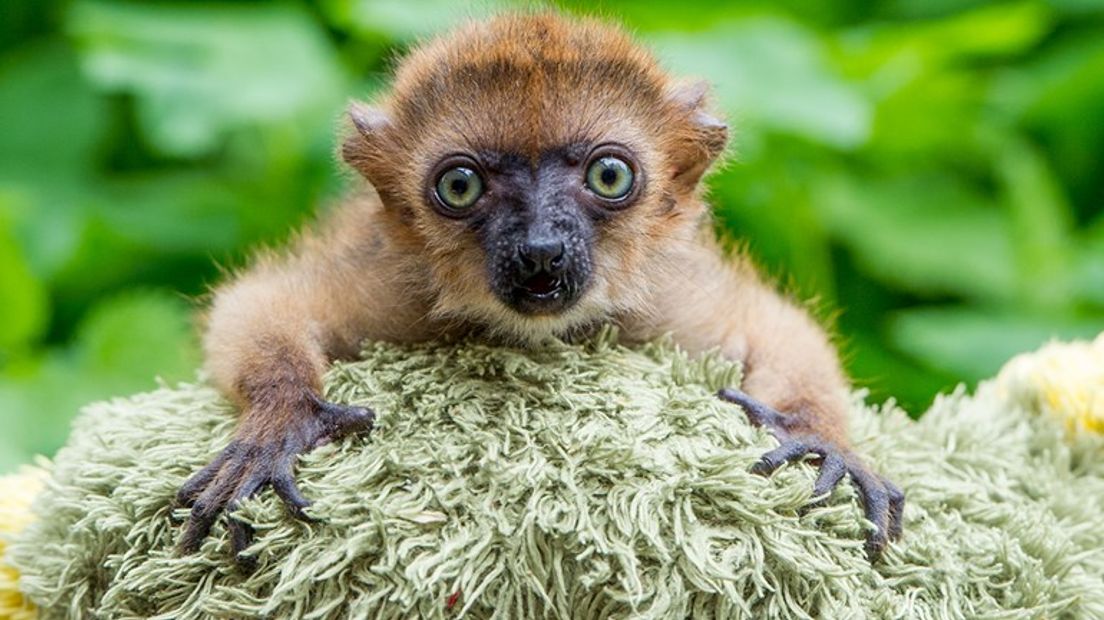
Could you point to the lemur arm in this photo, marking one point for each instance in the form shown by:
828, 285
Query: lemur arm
270, 334
793, 383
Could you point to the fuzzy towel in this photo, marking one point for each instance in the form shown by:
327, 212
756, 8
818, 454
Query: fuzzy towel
590, 481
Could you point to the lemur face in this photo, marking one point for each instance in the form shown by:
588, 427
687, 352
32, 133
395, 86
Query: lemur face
542, 165
537, 222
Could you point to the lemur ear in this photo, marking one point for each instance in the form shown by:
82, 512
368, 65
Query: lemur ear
706, 135
367, 144
368, 120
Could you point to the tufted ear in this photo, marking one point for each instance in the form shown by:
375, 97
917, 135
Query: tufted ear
366, 147
704, 138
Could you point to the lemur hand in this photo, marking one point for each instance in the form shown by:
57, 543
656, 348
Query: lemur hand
262, 453
882, 500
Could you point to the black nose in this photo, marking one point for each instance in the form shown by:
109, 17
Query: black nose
539, 255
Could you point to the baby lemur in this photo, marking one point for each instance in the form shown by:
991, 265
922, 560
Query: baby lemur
534, 175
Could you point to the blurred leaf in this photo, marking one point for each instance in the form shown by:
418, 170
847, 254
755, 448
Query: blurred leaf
122, 225
93, 237
200, 71
1041, 222
137, 336
171, 213
21, 20
1066, 78
48, 222
1059, 96
52, 119
890, 374
994, 29
928, 236
395, 19
691, 16
120, 348
48, 152
1088, 270
932, 115
773, 72
1078, 7
974, 343
25, 308
765, 205
12, 453
931, 8
924, 78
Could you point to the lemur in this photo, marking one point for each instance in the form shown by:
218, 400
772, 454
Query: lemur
528, 176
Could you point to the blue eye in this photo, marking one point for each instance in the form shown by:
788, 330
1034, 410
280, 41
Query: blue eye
610, 177
458, 188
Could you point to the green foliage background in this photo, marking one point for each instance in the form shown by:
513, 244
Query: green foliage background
930, 170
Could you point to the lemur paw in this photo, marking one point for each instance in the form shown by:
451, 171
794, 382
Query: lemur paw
883, 502
257, 457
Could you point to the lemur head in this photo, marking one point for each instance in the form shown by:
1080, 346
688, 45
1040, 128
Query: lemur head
545, 164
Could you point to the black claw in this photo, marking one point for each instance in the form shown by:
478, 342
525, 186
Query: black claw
874, 546
288, 491
883, 503
247, 563
241, 536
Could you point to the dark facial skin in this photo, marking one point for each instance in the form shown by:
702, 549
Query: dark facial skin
537, 222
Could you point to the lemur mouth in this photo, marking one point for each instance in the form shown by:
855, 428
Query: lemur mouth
542, 294
542, 287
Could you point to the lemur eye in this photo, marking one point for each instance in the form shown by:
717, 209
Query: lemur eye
458, 188
610, 177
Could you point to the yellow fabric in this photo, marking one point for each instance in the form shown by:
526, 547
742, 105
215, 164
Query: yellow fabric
17, 491
1064, 380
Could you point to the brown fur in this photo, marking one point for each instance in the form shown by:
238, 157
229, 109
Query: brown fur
385, 266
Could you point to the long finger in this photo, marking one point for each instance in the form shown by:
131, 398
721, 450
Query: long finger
832, 470
790, 450
209, 504
876, 507
199, 481
759, 413
896, 509
288, 491
241, 533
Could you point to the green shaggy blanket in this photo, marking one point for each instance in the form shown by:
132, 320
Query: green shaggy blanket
574, 482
